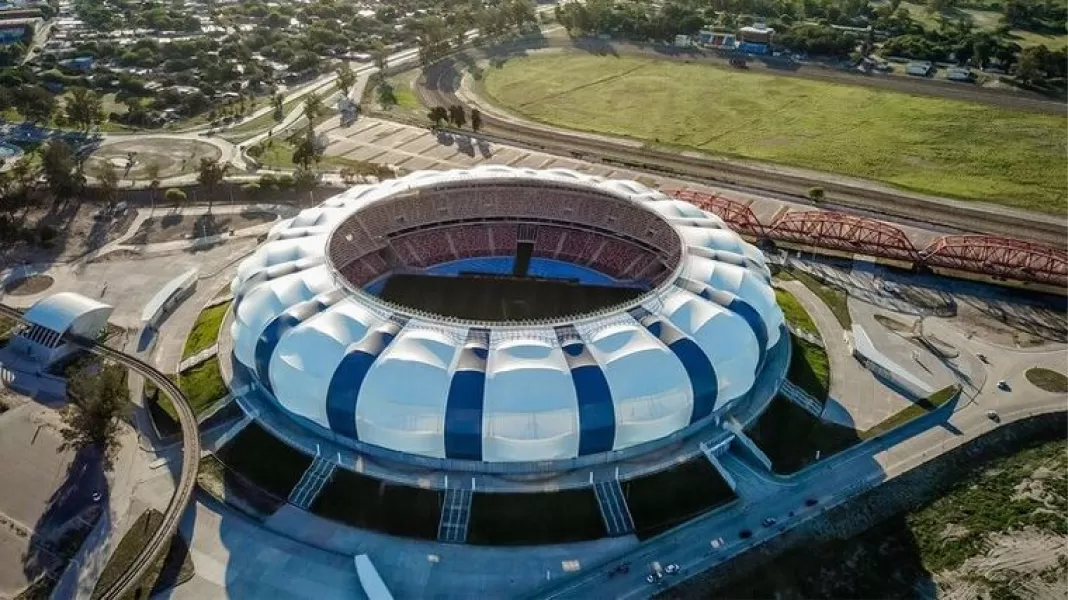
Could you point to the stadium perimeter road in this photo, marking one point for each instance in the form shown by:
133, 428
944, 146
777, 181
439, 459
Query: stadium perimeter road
830, 482
160, 540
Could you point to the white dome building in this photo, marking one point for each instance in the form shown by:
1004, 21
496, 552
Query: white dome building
318, 339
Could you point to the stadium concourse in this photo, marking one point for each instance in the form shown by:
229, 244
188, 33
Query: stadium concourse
672, 325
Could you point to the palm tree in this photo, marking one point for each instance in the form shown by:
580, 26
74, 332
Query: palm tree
313, 107
210, 174
152, 171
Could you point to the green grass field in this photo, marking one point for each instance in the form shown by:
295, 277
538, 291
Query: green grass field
795, 314
1045, 379
202, 385
932, 145
205, 330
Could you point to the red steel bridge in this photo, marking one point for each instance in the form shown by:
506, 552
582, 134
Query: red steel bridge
983, 254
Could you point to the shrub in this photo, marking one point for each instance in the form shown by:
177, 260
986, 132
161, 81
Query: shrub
268, 182
285, 182
251, 189
175, 195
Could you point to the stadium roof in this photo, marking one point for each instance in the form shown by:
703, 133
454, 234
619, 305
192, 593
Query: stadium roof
341, 360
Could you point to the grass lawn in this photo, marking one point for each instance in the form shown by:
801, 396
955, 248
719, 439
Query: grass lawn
795, 314
264, 460
202, 385
278, 154
836, 299
663, 500
1045, 379
526, 519
809, 368
913, 411
938, 146
173, 568
205, 330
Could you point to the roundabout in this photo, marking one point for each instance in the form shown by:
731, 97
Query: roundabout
136, 158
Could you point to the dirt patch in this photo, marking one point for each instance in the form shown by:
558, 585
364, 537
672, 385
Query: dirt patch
61, 232
133, 158
173, 227
28, 286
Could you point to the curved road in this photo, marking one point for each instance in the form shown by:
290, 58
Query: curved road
442, 86
160, 540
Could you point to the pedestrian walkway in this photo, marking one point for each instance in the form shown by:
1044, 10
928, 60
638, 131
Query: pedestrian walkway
455, 516
614, 510
315, 478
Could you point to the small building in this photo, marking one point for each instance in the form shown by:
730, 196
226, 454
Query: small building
755, 39
920, 68
52, 319
717, 39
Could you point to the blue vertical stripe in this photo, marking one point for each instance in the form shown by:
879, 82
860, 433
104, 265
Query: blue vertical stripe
268, 341
344, 389
463, 415
597, 417
702, 376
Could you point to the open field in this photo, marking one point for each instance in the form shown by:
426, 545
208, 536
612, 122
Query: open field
205, 329
933, 145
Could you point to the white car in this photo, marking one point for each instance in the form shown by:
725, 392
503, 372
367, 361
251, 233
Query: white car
671, 569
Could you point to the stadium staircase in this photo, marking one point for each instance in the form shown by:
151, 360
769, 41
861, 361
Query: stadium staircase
455, 516
312, 482
614, 511
801, 398
712, 453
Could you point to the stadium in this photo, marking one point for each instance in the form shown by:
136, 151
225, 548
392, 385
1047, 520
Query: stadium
499, 322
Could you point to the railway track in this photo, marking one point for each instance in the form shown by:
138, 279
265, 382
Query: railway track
124, 586
941, 215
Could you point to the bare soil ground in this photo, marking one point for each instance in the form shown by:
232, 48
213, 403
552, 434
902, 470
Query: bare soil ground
169, 228
28, 286
74, 226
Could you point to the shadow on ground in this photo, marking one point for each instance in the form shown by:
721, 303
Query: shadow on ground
71, 513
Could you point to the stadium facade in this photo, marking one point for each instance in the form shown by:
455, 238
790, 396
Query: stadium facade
320, 336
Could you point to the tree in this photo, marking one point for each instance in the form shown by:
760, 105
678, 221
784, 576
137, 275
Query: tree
305, 151
210, 173
437, 115
152, 172
34, 103
457, 115
58, 164
84, 107
278, 102
476, 120
304, 179
313, 107
1032, 65
108, 178
816, 194
381, 58
92, 418
345, 78
175, 196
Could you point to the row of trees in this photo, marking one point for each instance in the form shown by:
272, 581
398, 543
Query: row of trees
455, 115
